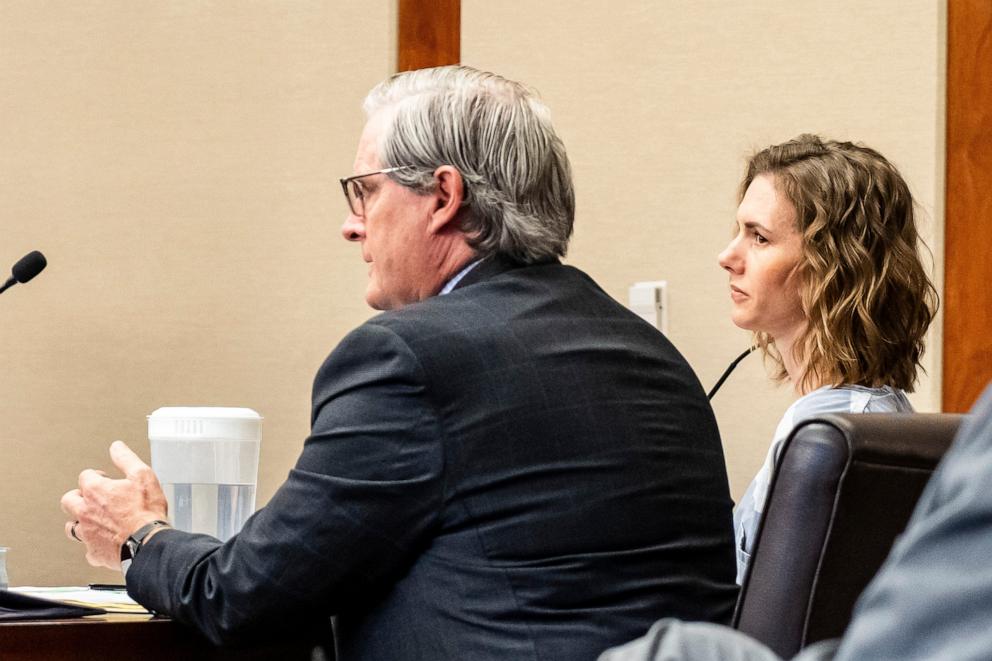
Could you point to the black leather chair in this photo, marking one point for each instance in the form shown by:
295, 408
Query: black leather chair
845, 488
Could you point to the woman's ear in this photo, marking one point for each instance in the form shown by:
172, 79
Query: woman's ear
449, 195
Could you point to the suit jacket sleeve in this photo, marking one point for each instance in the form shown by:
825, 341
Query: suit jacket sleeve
349, 519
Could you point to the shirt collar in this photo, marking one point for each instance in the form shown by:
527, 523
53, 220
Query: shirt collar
458, 276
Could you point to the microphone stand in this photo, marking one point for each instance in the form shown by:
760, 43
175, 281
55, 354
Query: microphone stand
7, 285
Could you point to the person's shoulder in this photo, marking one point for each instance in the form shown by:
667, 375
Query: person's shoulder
429, 324
487, 307
435, 312
850, 399
827, 399
974, 438
522, 282
547, 273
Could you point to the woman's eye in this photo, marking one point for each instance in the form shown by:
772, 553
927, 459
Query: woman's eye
760, 240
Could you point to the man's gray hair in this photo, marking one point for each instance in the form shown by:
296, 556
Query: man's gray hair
519, 197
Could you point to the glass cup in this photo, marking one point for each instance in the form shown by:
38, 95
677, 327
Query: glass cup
4, 584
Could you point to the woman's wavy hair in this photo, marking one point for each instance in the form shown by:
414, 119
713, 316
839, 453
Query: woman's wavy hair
865, 293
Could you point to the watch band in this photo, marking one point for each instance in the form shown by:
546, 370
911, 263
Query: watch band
133, 543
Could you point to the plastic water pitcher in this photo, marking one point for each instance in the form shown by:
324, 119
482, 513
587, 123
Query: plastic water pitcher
207, 461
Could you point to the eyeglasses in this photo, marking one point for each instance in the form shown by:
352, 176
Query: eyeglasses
354, 193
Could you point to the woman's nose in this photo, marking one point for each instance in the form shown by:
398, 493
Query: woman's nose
730, 259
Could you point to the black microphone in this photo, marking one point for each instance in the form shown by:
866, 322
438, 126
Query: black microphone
26, 268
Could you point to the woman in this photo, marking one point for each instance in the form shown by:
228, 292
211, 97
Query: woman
824, 269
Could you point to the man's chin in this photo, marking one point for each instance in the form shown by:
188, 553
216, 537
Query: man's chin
376, 300
375, 304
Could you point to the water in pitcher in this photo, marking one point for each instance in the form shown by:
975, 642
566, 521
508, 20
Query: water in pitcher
219, 510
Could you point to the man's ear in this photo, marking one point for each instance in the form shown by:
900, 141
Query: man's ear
449, 195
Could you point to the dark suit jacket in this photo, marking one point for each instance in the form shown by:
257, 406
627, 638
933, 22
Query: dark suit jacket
520, 469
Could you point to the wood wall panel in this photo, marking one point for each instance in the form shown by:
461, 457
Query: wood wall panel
967, 357
429, 33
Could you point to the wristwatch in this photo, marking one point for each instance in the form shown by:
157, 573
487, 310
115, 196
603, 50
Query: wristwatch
131, 545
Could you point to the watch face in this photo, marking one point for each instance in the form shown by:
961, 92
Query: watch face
129, 549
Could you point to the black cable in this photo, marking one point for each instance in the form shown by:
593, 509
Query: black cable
727, 372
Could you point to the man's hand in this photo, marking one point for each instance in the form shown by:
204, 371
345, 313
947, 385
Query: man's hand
103, 512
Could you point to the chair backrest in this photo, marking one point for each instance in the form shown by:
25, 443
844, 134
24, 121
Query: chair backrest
844, 489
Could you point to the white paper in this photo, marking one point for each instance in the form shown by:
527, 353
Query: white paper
112, 601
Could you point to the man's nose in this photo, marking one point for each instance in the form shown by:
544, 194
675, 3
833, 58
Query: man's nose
353, 229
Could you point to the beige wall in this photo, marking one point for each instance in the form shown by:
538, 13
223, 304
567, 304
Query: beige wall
177, 163
660, 102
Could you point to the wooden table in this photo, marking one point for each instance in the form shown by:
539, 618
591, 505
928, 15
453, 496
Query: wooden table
116, 637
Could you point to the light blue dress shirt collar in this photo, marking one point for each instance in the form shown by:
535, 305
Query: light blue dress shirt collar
457, 278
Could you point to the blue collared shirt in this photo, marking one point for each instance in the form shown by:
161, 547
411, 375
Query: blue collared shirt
457, 278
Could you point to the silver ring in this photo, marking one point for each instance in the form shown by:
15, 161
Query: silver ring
72, 531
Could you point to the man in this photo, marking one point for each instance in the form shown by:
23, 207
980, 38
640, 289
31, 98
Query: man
932, 599
505, 464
